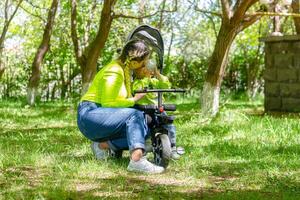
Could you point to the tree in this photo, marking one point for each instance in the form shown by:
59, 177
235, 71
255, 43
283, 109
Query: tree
87, 57
40, 54
234, 20
295, 8
7, 21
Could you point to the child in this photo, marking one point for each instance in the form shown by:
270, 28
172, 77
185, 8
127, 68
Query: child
144, 79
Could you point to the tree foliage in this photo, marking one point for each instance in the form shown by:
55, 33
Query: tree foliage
189, 30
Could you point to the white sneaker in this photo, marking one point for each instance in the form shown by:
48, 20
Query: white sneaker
144, 166
100, 154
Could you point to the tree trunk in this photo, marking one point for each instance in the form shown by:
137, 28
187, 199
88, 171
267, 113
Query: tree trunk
48, 92
87, 58
216, 68
40, 54
296, 7
96, 47
234, 20
7, 21
161, 19
252, 74
63, 86
8, 79
252, 82
2, 65
53, 92
64, 89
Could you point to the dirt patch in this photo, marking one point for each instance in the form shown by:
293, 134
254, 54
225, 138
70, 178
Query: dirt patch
32, 174
171, 181
220, 179
84, 187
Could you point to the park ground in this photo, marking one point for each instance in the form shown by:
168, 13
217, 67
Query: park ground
242, 153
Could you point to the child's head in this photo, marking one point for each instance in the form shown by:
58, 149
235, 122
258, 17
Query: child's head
143, 72
149, 69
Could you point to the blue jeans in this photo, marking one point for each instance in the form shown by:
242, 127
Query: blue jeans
171, 131
122, 128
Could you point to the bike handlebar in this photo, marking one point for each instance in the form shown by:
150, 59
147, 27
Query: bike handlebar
166, 107
169, 107
159, 90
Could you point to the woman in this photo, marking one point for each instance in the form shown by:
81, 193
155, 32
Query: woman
104, 115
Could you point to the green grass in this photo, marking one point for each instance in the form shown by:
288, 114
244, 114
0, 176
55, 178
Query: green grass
240, 154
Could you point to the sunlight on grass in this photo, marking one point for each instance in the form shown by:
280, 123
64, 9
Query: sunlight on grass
242, 153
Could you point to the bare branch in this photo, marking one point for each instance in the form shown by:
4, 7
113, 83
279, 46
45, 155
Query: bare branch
248, 21
134, 17
6, 10
32, 14
174, 9
226, 10
213, 24
241, 9
207, 12
145, 16
161, 15
75, 39
15, 11
7, 21
258, 13
35, 6
88, 24
183, 15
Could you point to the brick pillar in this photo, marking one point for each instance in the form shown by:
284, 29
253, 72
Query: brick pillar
282, 73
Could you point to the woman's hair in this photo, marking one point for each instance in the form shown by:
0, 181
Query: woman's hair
134, 50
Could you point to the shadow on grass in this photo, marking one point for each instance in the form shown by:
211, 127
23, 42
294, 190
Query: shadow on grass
54, 113
227, 149
134, 187
34, 131
240, 159
255, 109
64, 142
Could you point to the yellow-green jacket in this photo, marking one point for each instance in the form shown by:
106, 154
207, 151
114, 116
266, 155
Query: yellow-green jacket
108, 88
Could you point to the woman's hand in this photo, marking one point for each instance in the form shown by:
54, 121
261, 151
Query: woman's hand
157, 74
138, 96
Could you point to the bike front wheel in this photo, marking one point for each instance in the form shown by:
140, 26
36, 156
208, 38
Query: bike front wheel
162, 150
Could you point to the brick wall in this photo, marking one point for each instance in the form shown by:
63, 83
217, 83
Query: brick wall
282, 73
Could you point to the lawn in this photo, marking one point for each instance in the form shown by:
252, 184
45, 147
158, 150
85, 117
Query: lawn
242, 153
